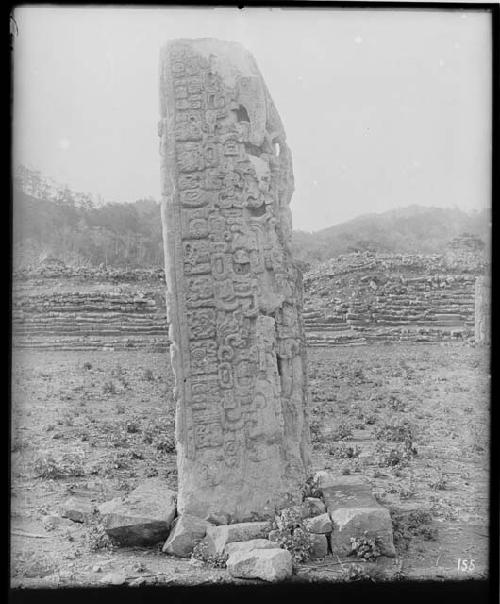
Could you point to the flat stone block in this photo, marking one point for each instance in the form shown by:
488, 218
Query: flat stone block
187, 531
267, 564
77, 509
345, 491
319, 546
355, 522
218, 536
319, 524
143, 517
248, 546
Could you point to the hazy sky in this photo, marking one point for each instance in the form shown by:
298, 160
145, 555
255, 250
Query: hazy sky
382, 108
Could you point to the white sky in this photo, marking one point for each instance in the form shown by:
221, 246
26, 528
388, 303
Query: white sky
382, 108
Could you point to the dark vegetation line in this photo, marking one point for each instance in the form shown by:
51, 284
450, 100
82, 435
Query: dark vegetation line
51, 220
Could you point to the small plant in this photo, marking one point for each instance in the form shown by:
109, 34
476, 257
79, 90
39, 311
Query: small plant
316, 433
409, 525
96, 537
132, 428
439, 482
200, 552
311, 488
342, 432
47, 466
165, 444
109, 387
392, 457
355, 572
396, 404
365, 547
396, 431
291, 534
344, 452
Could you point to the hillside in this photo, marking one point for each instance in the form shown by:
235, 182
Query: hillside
411, 230
51, 220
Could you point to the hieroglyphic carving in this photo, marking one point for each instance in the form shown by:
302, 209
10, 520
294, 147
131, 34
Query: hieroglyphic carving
234, 296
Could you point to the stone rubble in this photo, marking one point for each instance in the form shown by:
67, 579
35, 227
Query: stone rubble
248, 546
143, 517
218, 537
186, 532
355, 513
319, 546
268, 564
77, 509
319, 525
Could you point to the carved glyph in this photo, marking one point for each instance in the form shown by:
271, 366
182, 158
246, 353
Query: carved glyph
234, 296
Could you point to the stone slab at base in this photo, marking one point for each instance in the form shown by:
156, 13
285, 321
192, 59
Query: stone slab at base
345, 491
248, 546
187, 531
143, 517
355, 513
267, 564
319, 525
218, 536
319, 546
372, 523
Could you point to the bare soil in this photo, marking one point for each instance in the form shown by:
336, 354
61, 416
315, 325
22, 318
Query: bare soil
412, 419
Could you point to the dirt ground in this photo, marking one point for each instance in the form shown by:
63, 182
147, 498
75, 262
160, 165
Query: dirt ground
412, 418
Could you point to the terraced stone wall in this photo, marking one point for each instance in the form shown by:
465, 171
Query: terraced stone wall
353, 299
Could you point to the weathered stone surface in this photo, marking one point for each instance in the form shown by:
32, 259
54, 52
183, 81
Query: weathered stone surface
355, 522
234, 296
248, 546
353, 510
345, 491
77, 509
267, 564
319, 546
187, 531
52, 522
116, 578
143, 517
319, 524
482, 311
315, 506
218, 536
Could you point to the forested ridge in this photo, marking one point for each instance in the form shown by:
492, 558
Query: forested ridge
52, 220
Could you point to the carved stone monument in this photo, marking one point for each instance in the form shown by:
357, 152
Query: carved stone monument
234, 297
482, 311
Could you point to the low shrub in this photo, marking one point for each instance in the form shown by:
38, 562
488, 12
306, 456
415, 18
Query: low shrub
291, 534
200, 552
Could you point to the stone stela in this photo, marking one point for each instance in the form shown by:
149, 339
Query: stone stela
482, 328
234, 297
